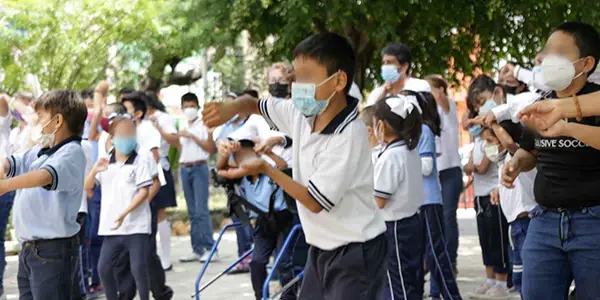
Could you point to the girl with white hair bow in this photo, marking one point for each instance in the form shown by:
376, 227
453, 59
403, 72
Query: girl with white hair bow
399, 193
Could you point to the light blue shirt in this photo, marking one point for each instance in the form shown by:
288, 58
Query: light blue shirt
229, 128
49, 212
431, 183
259, 193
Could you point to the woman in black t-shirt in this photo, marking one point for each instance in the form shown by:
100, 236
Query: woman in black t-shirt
563, 240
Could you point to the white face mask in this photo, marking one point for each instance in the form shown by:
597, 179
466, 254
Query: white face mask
558, 72
191, 113
493, 153
42, 139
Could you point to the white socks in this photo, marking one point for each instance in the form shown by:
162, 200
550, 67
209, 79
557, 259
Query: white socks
164, 234
490, 282
501, 283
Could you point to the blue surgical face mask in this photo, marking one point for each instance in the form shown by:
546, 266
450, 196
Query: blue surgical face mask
475, 130
303, 97
390, 73
487, 107
125, 145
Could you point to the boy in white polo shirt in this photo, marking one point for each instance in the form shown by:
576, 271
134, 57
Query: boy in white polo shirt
49, 178
333, 173
125, 218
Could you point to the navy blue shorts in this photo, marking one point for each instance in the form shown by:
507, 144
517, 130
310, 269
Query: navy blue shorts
492, 229
166, 195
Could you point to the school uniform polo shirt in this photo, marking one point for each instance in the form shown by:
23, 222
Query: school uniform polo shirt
190, 150
335, 165
259, 193
49, 212
148, 138
398, 180
119, 184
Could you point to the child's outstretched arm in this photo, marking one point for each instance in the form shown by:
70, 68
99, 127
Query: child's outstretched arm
36, 178
99, 167
138, 199
218, 113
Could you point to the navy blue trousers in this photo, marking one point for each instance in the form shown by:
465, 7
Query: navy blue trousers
437, 256
405, 259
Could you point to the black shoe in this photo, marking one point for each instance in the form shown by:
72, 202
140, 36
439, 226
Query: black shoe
166, 295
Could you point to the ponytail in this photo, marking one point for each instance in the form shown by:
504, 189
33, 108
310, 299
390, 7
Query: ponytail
408, 129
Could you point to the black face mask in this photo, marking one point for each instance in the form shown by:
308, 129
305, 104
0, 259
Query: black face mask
279, 90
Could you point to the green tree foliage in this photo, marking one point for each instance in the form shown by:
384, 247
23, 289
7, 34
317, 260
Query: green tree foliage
66, 42
455, 35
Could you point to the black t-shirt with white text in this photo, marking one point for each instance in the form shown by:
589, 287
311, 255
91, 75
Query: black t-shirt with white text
568, 169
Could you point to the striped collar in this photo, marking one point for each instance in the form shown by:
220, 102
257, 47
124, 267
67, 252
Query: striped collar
343, 118
130, 160
51, 150
394, 144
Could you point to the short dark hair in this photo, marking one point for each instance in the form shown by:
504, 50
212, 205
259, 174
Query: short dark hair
87, 94
402, 53
251, 92
408, 129
126, 90
515, 130
138, 101
586, 38
367, 114
330, 50
190, 97
480, 84
67, 103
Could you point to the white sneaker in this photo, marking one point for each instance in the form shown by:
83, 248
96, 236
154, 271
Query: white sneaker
480, 292
497, 292
190, 258
206, 254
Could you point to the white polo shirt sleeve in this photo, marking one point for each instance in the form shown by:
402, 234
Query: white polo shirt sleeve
167, 123
387, 176
330, 180
279, 114
67, 168
146, 170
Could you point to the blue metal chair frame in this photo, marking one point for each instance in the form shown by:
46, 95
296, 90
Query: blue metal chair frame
285, 245
197, 287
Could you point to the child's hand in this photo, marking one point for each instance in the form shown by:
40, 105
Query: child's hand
118, 223
217, 113
495, 197
476, 121
266, 146
489, 119
510, 171
252, 167
101, 165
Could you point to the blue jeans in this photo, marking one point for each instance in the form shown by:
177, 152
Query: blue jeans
6, 204
518, 233
452, 184
562, 246
195, 188
47, 269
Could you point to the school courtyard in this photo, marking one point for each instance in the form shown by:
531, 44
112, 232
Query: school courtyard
238, 287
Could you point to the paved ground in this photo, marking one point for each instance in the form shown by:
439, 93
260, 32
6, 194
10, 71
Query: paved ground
238, 287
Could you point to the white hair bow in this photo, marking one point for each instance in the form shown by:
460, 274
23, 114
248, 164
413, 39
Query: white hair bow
403, 105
